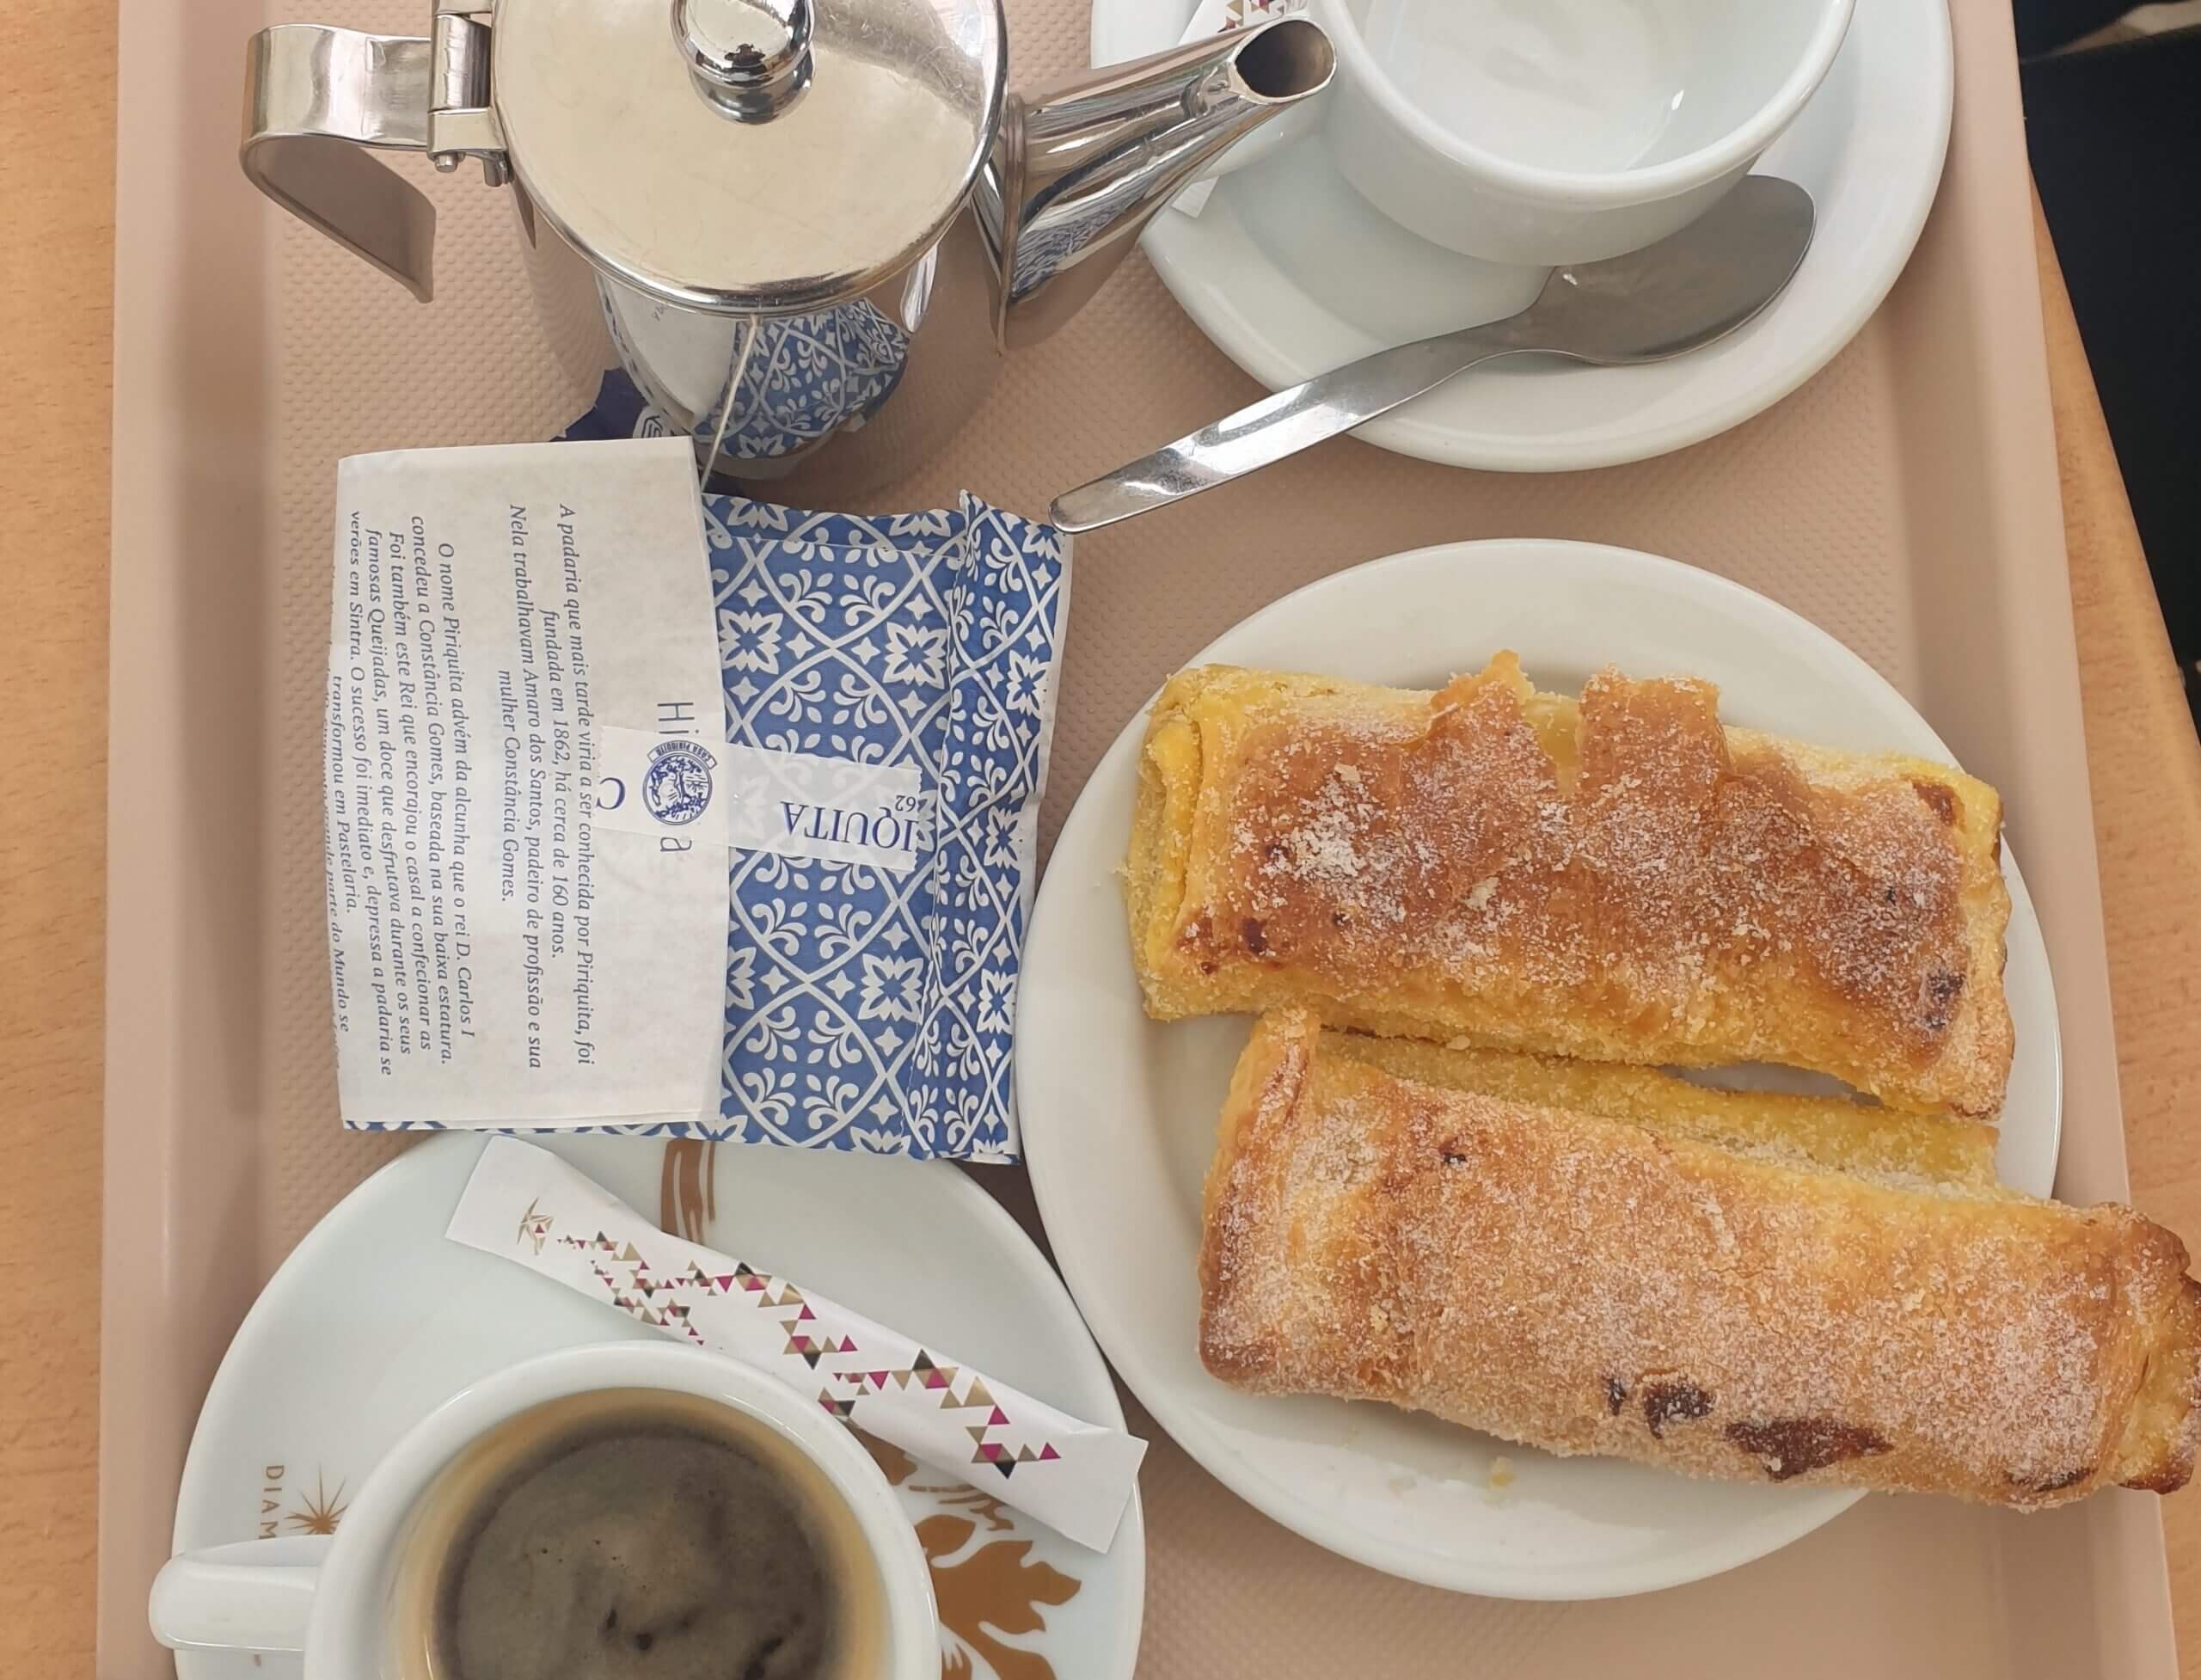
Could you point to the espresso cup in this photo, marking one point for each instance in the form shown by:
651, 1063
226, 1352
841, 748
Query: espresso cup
388, 1595
1549, 132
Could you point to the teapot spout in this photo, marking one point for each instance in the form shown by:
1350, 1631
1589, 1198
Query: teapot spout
1078, 172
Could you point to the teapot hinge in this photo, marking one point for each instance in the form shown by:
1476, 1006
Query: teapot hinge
460, 123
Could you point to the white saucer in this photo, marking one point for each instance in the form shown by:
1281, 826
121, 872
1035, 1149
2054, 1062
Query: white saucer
1292, 272
375, 1318
1118, 1111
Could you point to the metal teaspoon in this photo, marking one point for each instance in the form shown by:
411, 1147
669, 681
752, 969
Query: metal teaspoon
1667, 299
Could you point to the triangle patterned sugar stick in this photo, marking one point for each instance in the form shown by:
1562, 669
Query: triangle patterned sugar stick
528, 1205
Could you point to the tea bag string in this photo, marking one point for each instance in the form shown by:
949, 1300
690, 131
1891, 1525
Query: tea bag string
732, 392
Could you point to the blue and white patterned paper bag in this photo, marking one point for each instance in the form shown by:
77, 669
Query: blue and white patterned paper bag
869, 1008
672, 817
866, 1010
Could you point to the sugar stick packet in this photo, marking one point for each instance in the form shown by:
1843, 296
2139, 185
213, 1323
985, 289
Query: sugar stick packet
526, 1205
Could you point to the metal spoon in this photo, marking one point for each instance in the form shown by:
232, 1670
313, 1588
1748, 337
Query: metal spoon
1666, 299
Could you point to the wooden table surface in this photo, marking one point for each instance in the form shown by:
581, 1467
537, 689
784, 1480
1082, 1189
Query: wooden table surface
56, 167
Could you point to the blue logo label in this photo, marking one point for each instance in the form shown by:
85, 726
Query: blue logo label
677, 786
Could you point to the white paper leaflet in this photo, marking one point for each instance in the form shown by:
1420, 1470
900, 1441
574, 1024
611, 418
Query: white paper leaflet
497, 956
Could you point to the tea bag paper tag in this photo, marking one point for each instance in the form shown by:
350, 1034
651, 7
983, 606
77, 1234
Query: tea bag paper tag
790, 804
498, 956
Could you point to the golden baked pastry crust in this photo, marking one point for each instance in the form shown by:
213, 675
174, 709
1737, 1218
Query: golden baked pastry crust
1586, 1284
1619, 878
1832, 1133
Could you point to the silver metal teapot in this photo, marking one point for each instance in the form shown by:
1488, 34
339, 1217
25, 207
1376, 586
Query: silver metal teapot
811, 226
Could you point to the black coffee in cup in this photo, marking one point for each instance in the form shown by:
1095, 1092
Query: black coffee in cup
638, 1534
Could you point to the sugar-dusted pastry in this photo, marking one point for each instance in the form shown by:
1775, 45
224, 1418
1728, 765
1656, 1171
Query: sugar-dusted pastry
1619, 878
1798, 1306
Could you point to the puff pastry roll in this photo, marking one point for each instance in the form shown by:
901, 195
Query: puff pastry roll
1798, 1305
1618, 878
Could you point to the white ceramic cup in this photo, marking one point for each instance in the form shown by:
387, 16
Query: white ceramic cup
1546, 131
332, 1599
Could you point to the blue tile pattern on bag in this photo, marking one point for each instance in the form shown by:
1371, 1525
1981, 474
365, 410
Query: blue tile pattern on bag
865, 1009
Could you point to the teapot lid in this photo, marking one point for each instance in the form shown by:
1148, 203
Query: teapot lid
743, 155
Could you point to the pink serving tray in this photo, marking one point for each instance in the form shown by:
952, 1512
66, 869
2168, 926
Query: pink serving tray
1905, 499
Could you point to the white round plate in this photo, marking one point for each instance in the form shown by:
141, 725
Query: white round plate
1118, 1111
375, 1318
1292, 272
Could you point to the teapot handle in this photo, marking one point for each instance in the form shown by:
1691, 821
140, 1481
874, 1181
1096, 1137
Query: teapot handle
316, 96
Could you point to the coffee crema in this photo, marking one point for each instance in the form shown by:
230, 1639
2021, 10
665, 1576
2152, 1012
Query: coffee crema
637, 1534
